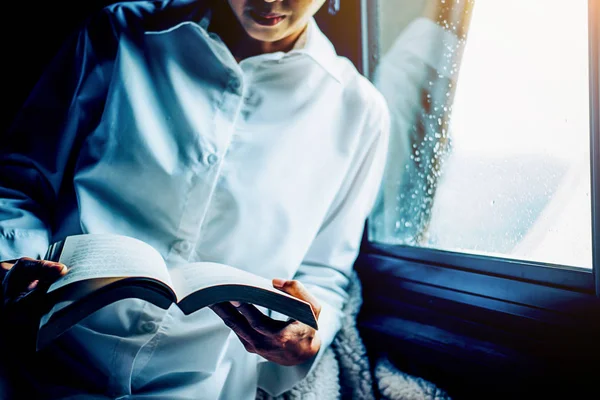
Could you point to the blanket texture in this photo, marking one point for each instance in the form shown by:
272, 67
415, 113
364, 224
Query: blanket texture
344, 373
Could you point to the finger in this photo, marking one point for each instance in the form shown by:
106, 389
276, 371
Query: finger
297, 289
7, 265
247, 345
27, 270
259, 321
236, 322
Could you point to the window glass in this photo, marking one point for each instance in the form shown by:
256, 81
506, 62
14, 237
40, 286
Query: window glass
490, 140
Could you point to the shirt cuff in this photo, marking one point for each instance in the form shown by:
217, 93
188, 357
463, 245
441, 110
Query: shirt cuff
276, 379
434, 45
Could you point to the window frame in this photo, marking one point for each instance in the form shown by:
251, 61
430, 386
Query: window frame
594, 68
509, 326
506, 271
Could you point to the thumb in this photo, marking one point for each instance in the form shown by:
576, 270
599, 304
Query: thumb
296, 288
27, 270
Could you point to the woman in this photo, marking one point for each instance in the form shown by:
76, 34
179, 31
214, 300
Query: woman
215, 131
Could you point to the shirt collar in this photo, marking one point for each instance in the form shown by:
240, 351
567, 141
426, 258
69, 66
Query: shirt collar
317, 46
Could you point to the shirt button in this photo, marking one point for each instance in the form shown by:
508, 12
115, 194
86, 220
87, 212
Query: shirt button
182, 245
235, 83
252, 99
212, 159
149, 327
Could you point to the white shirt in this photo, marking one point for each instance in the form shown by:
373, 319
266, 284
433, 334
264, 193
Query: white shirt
146, 126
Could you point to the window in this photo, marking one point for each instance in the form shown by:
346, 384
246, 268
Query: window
480, 261
490, 147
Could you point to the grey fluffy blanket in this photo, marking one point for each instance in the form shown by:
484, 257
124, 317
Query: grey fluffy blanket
344, 372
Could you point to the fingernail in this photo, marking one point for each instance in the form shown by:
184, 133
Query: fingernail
60, 269
236, 304
56, 266
279, 283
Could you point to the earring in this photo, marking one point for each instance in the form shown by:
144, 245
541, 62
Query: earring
334, 6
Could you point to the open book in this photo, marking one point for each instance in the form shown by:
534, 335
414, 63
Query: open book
105, 268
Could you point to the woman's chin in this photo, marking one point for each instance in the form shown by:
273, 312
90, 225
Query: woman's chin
266, 34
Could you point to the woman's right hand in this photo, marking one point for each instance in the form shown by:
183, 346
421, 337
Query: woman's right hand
24, 284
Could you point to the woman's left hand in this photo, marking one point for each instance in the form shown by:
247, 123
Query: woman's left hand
283, 342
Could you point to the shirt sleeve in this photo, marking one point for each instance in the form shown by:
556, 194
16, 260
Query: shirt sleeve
39, 151
428, 42
424, 52
327, 266
414, 74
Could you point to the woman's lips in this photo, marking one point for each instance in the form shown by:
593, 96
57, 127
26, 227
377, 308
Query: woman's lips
266, 19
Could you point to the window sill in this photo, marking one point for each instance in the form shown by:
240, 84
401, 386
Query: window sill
454, 326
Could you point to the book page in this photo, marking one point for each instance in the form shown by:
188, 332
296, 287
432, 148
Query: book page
189, 278
107, 256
